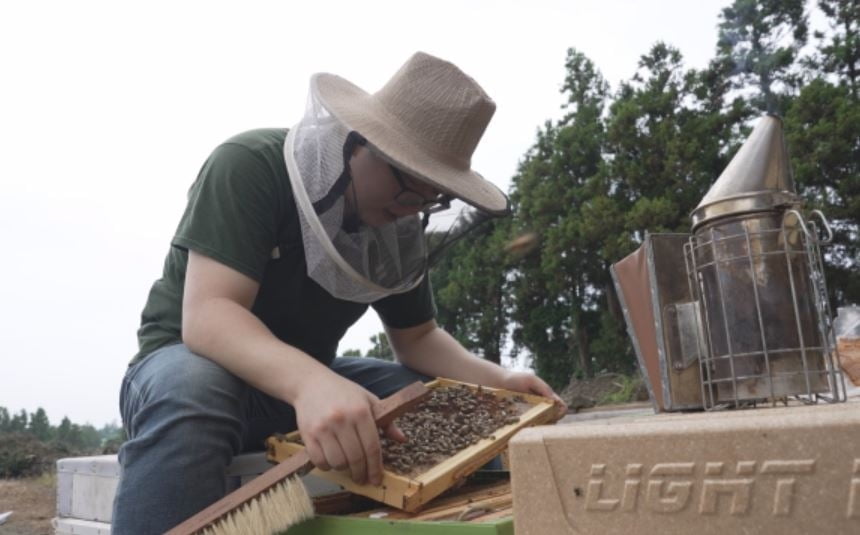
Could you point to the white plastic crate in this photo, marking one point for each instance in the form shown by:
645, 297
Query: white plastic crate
86, 487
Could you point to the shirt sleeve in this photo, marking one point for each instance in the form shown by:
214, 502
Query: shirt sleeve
408, 309
233, 211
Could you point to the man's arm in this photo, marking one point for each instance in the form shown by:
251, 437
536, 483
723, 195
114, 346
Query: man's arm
430, 350
334, 414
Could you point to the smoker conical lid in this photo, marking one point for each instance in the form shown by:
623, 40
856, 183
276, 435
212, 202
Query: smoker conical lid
758, 178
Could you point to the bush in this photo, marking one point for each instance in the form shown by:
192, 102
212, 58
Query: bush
628, 388
24, 455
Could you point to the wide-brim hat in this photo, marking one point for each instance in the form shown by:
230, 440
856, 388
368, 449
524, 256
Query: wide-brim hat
427, 120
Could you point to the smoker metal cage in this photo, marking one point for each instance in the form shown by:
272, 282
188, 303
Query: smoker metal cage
760, 323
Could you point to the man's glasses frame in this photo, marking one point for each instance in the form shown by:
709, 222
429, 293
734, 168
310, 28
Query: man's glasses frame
410, 198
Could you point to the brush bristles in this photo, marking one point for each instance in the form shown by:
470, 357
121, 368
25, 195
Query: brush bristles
280, 507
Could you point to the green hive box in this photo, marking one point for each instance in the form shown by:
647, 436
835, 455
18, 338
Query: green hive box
342, 525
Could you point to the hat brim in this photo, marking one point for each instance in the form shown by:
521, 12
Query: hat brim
358, 111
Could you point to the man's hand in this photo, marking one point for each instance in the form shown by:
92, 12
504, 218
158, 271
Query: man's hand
335, 418
530, 383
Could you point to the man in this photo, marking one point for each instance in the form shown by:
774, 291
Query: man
286, 240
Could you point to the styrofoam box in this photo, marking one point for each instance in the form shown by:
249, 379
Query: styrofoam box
73, 526
785, 470
86, 487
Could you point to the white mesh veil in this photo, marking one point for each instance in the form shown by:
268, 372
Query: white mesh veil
355, 262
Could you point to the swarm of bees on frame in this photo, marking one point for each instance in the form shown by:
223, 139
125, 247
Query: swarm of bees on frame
450, 420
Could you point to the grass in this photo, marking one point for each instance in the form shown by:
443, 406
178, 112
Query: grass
625, 393
33, 501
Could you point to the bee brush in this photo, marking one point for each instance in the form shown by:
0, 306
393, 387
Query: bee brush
277, 499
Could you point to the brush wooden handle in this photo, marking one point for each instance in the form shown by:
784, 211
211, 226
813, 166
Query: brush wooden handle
384, 413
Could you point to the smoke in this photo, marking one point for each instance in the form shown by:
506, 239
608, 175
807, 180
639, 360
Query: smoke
760, 42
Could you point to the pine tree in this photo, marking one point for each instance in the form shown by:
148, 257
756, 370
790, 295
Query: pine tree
5, 420
823, 135
839, 52
554, 288
39, 425
470, 282
19, 422
64, 430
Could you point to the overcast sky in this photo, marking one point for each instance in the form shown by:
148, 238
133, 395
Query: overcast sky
108, 109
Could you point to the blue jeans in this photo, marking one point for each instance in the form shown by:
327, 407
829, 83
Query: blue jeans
186, 418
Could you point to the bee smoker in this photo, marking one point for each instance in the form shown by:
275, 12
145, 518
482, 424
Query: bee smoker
736, 312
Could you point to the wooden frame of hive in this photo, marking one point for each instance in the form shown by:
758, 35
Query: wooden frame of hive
410, 493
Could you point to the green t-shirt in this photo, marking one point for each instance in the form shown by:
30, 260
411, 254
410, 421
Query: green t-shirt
241, 213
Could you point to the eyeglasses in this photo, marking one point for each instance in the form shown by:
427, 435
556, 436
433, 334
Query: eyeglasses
410, 198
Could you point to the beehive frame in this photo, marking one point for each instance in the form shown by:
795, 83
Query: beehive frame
410, 493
